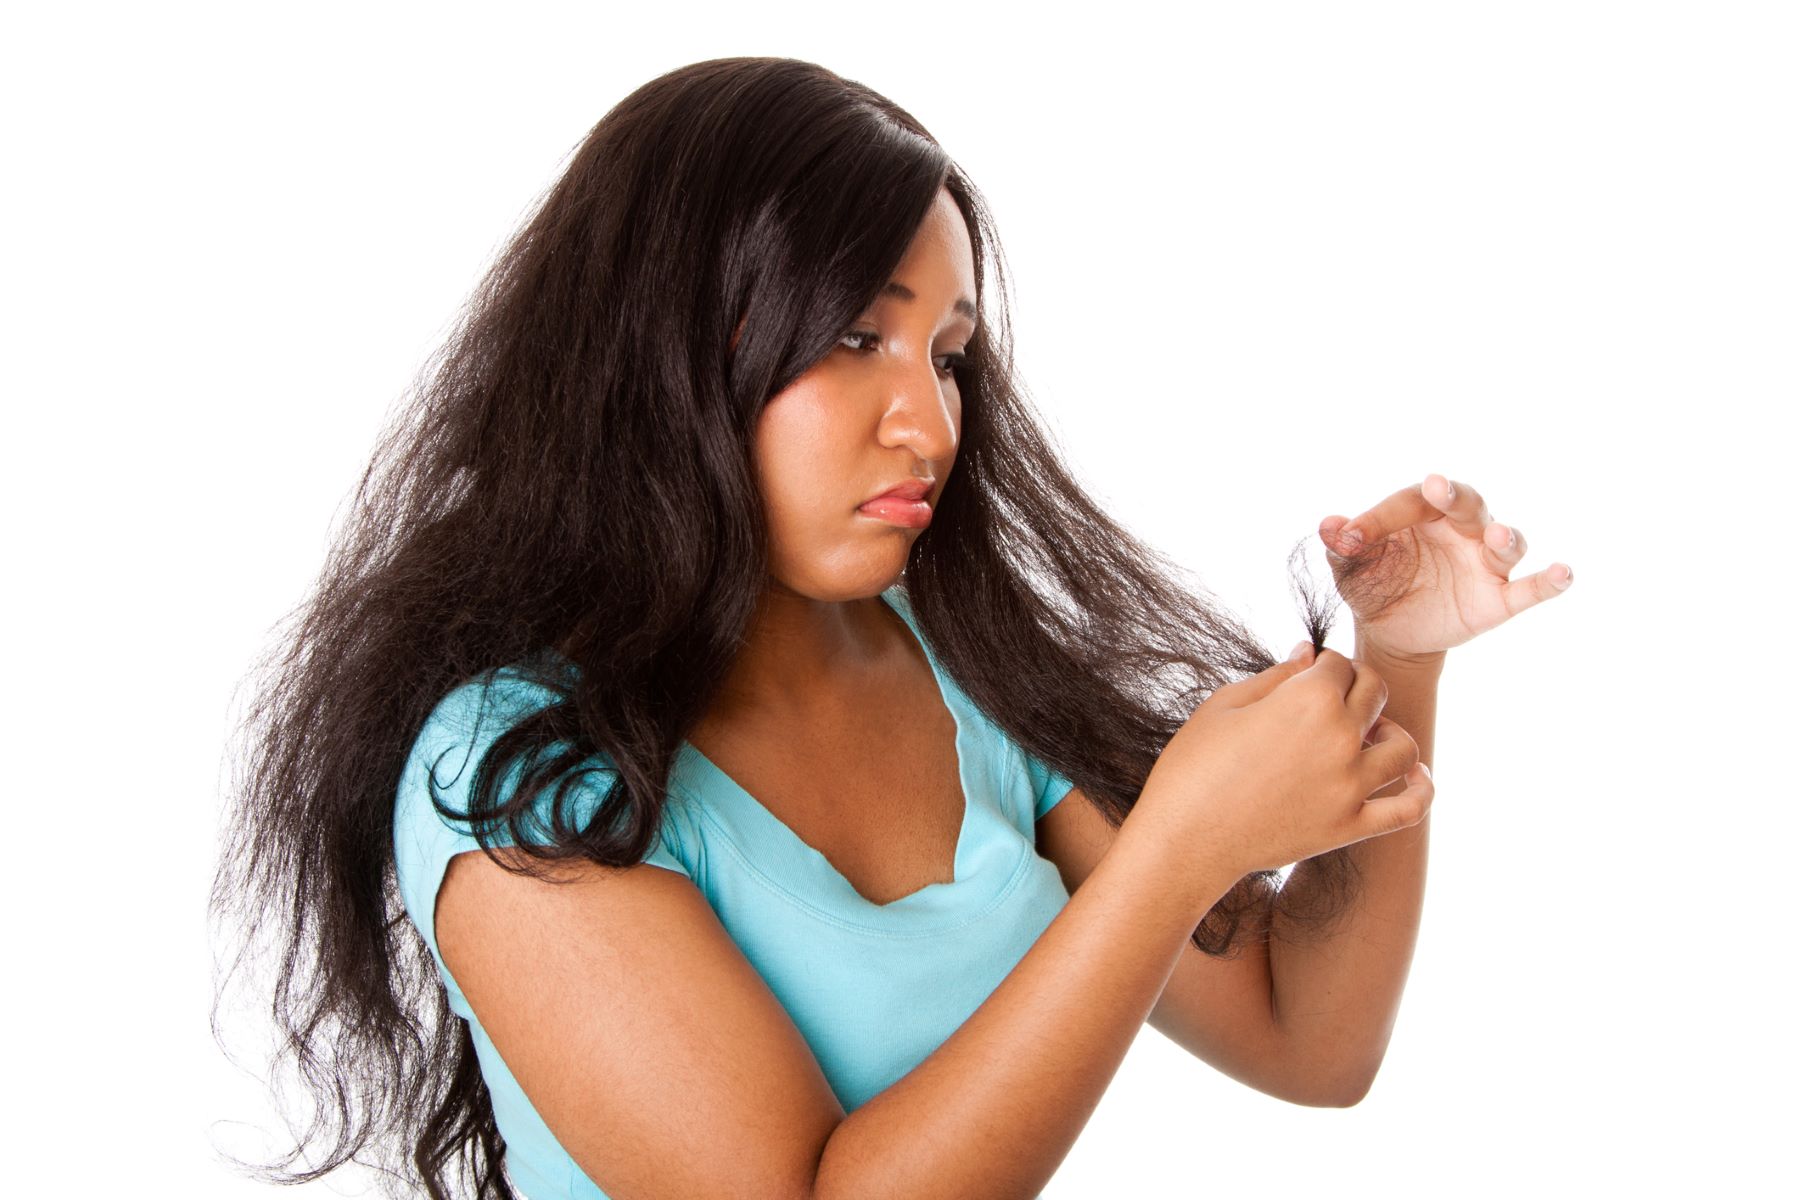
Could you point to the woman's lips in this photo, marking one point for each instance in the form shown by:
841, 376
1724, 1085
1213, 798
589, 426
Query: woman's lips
910, 514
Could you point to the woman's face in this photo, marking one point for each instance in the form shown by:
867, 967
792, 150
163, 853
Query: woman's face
880, 409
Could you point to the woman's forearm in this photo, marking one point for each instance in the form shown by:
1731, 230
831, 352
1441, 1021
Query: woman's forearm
1336, 998
995, 1109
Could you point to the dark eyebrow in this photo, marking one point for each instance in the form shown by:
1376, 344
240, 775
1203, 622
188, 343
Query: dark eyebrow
963, 304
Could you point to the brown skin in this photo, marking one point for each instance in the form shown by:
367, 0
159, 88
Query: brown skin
1269, 769
877, 411
1307, 1021
689, 1078
831, 707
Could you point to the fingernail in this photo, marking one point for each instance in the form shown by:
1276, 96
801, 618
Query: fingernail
1425, 769
1299, 651
1559, 584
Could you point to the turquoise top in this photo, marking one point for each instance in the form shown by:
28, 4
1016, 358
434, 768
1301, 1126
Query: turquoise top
874, 988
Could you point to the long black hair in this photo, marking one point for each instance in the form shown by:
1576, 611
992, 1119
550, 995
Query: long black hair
571, 480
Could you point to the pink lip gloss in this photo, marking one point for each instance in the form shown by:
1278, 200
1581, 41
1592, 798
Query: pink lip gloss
910, 514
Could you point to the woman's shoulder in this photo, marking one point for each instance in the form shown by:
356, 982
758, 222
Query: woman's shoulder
448, 760
476, 711
443, 767
437, 792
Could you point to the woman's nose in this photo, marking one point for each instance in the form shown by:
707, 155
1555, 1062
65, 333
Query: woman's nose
922, 411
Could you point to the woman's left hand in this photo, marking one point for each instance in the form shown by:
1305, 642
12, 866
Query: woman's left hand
1430, 571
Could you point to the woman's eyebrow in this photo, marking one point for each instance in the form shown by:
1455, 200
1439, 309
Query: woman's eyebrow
963, 304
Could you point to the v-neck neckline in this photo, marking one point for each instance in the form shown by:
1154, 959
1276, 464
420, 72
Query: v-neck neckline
919, 900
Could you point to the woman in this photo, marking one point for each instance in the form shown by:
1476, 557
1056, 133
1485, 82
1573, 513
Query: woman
728, 754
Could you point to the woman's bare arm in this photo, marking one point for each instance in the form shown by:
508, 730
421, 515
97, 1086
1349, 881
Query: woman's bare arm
1318, 1039
666, 1067
1337, 999
995, 1109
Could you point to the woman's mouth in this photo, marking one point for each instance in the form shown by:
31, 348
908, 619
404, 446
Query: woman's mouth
910, 514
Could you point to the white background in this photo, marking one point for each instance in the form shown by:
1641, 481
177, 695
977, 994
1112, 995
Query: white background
1272, 262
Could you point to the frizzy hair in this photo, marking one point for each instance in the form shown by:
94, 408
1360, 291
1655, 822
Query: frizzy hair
570, 480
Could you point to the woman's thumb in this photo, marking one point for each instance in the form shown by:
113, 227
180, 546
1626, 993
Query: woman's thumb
1257, 686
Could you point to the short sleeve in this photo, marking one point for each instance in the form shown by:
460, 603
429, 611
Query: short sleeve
1048, 785
444, 759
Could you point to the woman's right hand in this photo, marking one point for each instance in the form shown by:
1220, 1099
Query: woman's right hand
1273, 769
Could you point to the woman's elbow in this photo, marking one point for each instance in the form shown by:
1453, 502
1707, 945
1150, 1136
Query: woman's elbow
1351, 1096
1342, 1089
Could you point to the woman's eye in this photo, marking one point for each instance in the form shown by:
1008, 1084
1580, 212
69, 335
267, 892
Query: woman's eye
865, 340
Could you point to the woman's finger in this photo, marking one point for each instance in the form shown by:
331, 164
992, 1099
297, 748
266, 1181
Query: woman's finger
1460, 503
1505, 545
1520, 594
1368, 696
1385, 814
1391, 754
